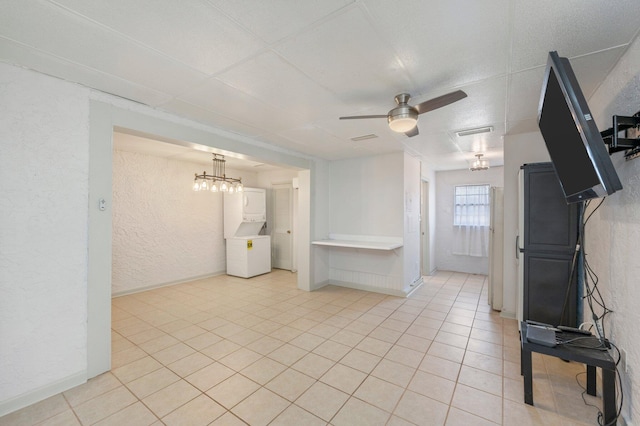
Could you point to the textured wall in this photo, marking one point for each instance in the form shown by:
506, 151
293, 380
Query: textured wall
446, 181
44, 165
163, 231
613, 232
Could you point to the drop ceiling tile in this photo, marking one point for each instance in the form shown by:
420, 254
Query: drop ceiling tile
592, 69
347, 56
347, 129
17, 53
571, 27
432, 144
525, 87
133, 143
193, 32
77, 40
275, 19
272, 80
202, 115
524, 94
483, 105
445, 44
482, 142
222, 99
310, 135
529, 125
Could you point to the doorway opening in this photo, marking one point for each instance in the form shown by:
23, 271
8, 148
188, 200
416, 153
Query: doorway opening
105, 120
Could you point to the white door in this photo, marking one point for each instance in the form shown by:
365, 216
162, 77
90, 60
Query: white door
282, 227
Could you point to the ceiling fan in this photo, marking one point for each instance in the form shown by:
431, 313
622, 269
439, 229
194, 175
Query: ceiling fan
404, 117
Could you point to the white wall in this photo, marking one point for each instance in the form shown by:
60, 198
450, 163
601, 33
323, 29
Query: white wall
366, 198
43, 235
367, 195
445, 187
163, 231
613, 233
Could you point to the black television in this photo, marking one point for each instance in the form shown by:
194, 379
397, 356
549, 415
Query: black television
578, 152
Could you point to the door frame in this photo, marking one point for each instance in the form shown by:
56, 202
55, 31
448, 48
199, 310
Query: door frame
289, 186
425, 245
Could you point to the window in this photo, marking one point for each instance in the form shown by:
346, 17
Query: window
471, 205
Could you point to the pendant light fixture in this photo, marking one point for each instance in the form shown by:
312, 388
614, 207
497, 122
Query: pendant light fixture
479, 164
218, 181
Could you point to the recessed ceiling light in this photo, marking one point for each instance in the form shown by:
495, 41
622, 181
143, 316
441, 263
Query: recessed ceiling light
475, 131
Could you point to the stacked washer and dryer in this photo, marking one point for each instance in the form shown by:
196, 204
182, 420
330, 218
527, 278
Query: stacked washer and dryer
245, 213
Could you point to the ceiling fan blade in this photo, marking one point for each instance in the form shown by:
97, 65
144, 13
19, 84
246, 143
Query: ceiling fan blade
412, 132
440, 101
362, 116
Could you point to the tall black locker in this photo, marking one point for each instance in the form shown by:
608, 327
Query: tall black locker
550, 237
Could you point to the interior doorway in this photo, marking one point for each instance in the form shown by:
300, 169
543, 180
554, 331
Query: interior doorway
105, 119
282, 244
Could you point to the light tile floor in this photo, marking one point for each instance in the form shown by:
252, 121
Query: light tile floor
233, 351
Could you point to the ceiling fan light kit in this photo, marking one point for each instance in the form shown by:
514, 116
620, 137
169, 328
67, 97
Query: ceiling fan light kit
404, 117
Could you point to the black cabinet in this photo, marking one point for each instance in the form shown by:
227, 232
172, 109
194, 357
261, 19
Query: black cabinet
550, 236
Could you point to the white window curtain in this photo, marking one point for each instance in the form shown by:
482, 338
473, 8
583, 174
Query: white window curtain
471, 220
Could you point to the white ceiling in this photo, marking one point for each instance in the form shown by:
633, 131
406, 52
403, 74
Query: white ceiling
283, 71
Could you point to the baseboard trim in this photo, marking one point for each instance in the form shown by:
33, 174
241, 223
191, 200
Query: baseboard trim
507, 314
416, 285
156, 286
356, 286
42, 393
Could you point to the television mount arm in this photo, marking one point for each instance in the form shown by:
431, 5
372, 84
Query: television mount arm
631, 140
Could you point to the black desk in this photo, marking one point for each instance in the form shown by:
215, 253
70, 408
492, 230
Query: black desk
591, 357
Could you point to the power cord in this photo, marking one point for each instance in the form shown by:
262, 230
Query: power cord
619, 391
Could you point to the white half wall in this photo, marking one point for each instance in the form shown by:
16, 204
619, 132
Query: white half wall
445, 187
44, 169
367, 198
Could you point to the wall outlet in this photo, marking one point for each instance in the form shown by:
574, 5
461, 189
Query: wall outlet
623, 360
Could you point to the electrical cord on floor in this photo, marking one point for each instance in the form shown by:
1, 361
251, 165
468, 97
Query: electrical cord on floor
619, 391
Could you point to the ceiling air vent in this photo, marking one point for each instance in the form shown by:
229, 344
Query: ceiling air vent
477, 130
364, 138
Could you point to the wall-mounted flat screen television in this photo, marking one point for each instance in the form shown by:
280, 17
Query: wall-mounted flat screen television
577, 150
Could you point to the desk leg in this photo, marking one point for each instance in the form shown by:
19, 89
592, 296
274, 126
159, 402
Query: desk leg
609, 395
591, 380
527, 372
